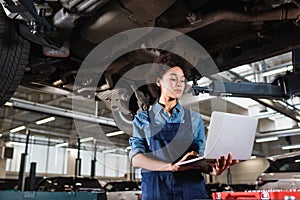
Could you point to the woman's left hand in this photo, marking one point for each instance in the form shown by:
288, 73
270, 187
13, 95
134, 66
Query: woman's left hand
222, 164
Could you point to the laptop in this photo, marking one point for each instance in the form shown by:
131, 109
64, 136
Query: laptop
227, 133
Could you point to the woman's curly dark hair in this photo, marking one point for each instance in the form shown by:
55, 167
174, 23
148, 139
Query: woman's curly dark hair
160, 66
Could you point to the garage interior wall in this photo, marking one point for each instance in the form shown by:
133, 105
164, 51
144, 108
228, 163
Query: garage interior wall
61, 161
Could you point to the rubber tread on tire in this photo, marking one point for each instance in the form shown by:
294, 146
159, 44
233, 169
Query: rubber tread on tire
14, 57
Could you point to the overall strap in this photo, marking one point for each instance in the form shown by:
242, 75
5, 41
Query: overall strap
187, 116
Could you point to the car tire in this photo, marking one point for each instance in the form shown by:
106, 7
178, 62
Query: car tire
14, 57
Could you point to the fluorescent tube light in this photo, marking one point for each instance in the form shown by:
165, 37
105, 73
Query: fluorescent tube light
295, 146
87, 139
114, 133
20, 128
16, 143
266, 139
127, 149
46, 120
10, 104
62, 144
109, 151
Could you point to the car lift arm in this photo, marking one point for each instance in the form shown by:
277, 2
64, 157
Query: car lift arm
263, 93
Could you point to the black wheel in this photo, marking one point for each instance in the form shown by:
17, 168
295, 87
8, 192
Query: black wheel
14, 56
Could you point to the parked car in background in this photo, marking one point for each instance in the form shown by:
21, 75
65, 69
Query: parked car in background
12, 184
71, 184
123, 190
283, 172
8, 184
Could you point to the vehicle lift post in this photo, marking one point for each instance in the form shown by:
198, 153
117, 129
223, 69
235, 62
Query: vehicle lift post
21, 183
93, 163
78, 160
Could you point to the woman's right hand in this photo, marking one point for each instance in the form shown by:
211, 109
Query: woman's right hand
190, 155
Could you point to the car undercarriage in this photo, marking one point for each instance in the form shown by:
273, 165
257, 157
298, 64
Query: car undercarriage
44, 43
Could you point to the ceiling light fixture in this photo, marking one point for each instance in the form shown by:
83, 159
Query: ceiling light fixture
266, 139
44, 121
10, 104
127, 149
298, 117
20, 128
87, 139
115, 133
295, 146
15, 144
109, 151
62, 144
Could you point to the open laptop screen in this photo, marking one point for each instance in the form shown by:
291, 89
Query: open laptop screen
230, 133
227, 133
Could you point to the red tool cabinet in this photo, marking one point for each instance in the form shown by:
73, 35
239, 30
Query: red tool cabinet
262, 195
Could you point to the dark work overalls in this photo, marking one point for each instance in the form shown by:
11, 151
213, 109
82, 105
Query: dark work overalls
169, 142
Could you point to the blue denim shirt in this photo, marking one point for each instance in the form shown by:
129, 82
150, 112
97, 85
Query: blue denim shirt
141, 127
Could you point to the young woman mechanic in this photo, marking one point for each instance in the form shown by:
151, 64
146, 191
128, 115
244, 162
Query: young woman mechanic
169, 133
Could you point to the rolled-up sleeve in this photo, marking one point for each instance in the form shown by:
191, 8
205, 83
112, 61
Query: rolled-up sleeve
138, 142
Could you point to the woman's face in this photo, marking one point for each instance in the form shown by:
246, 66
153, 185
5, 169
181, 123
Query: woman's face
172, 83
